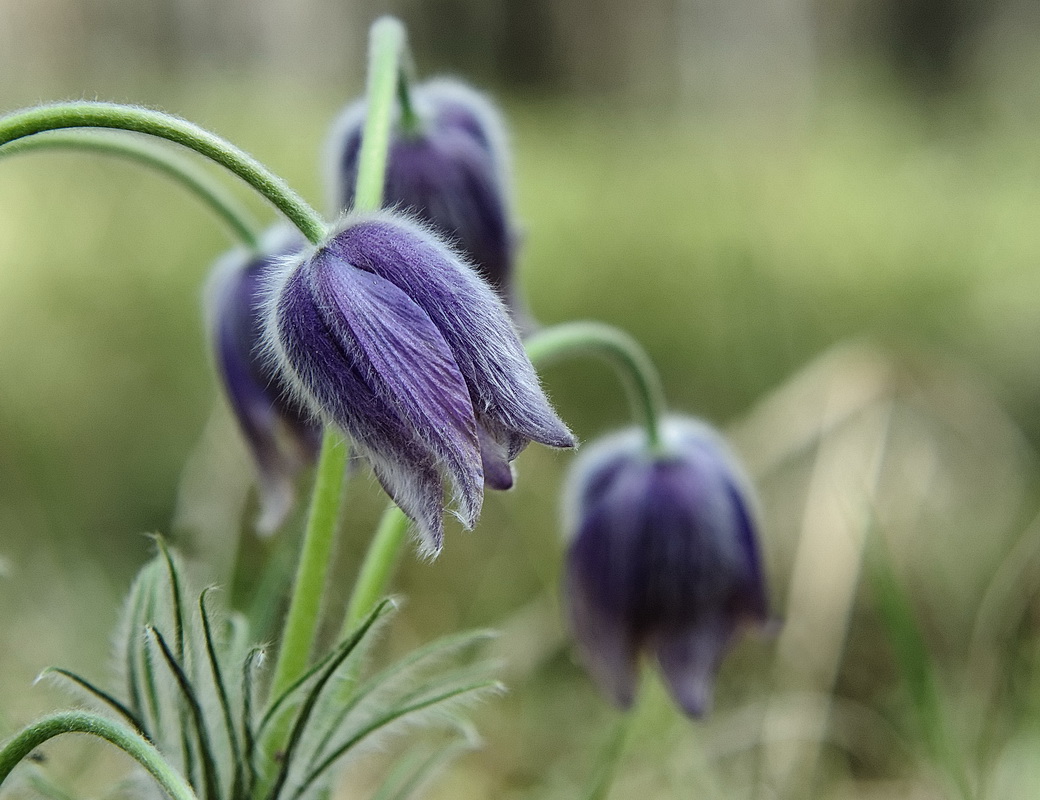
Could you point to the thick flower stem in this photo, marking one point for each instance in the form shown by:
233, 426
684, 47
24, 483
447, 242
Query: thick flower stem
165, 126
386, 42
301, 623
622, 351
116, 733
385, 56
161, 158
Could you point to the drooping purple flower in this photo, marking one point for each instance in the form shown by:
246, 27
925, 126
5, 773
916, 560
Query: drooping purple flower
452, 172
283, 437
387, 332
663, 559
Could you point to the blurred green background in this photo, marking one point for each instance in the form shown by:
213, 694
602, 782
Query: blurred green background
821, 220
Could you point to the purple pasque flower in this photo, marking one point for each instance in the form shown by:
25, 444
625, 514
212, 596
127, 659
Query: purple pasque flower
662, 559
451, 171
393, 338
283, 437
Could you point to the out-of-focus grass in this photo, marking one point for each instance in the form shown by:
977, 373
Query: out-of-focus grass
736, 252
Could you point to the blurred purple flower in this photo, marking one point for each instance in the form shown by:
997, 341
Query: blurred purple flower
395, 340
663, 559
282, 436
452, 173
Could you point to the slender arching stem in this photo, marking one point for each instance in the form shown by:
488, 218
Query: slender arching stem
116, 733
166, 160
620, 350
386, 44
85, 114
599, 788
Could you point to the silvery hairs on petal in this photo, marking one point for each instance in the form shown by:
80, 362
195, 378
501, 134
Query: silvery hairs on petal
397, 341
507, 394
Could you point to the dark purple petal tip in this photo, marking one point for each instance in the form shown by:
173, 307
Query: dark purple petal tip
663, 559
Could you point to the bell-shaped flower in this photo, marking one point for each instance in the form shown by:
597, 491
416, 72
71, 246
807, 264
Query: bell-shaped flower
283, 437
451, 171
663, 559
388, 333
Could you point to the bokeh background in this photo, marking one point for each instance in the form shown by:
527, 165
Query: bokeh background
822, 219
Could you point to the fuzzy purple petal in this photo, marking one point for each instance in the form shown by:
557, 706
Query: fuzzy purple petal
283, 437
601, 597
453, 174
502, 382
606, 649
329, 375
663, 556
700, 443
689, 660
408, 364
498, 472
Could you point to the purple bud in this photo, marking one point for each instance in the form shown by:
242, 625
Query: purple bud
402, 345
282, 436
452, 173
663, 559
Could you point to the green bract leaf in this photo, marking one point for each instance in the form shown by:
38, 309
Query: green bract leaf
413, 774
99, 694
209, 766
388, 687
310, 700
421, 708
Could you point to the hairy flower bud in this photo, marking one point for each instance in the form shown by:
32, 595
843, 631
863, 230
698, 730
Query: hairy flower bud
452, 172
282, 436
663, 559
393, 338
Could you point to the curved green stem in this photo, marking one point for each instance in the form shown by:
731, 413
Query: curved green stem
121, 736
374, 575
163, 159
165, 126
622, 351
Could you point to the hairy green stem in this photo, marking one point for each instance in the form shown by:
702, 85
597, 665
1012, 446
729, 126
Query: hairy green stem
301, 623
151, 154
377, 568
116, 733
624, 354
386, 42
166, 126
386, 46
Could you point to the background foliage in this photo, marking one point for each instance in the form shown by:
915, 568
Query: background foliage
846, 277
